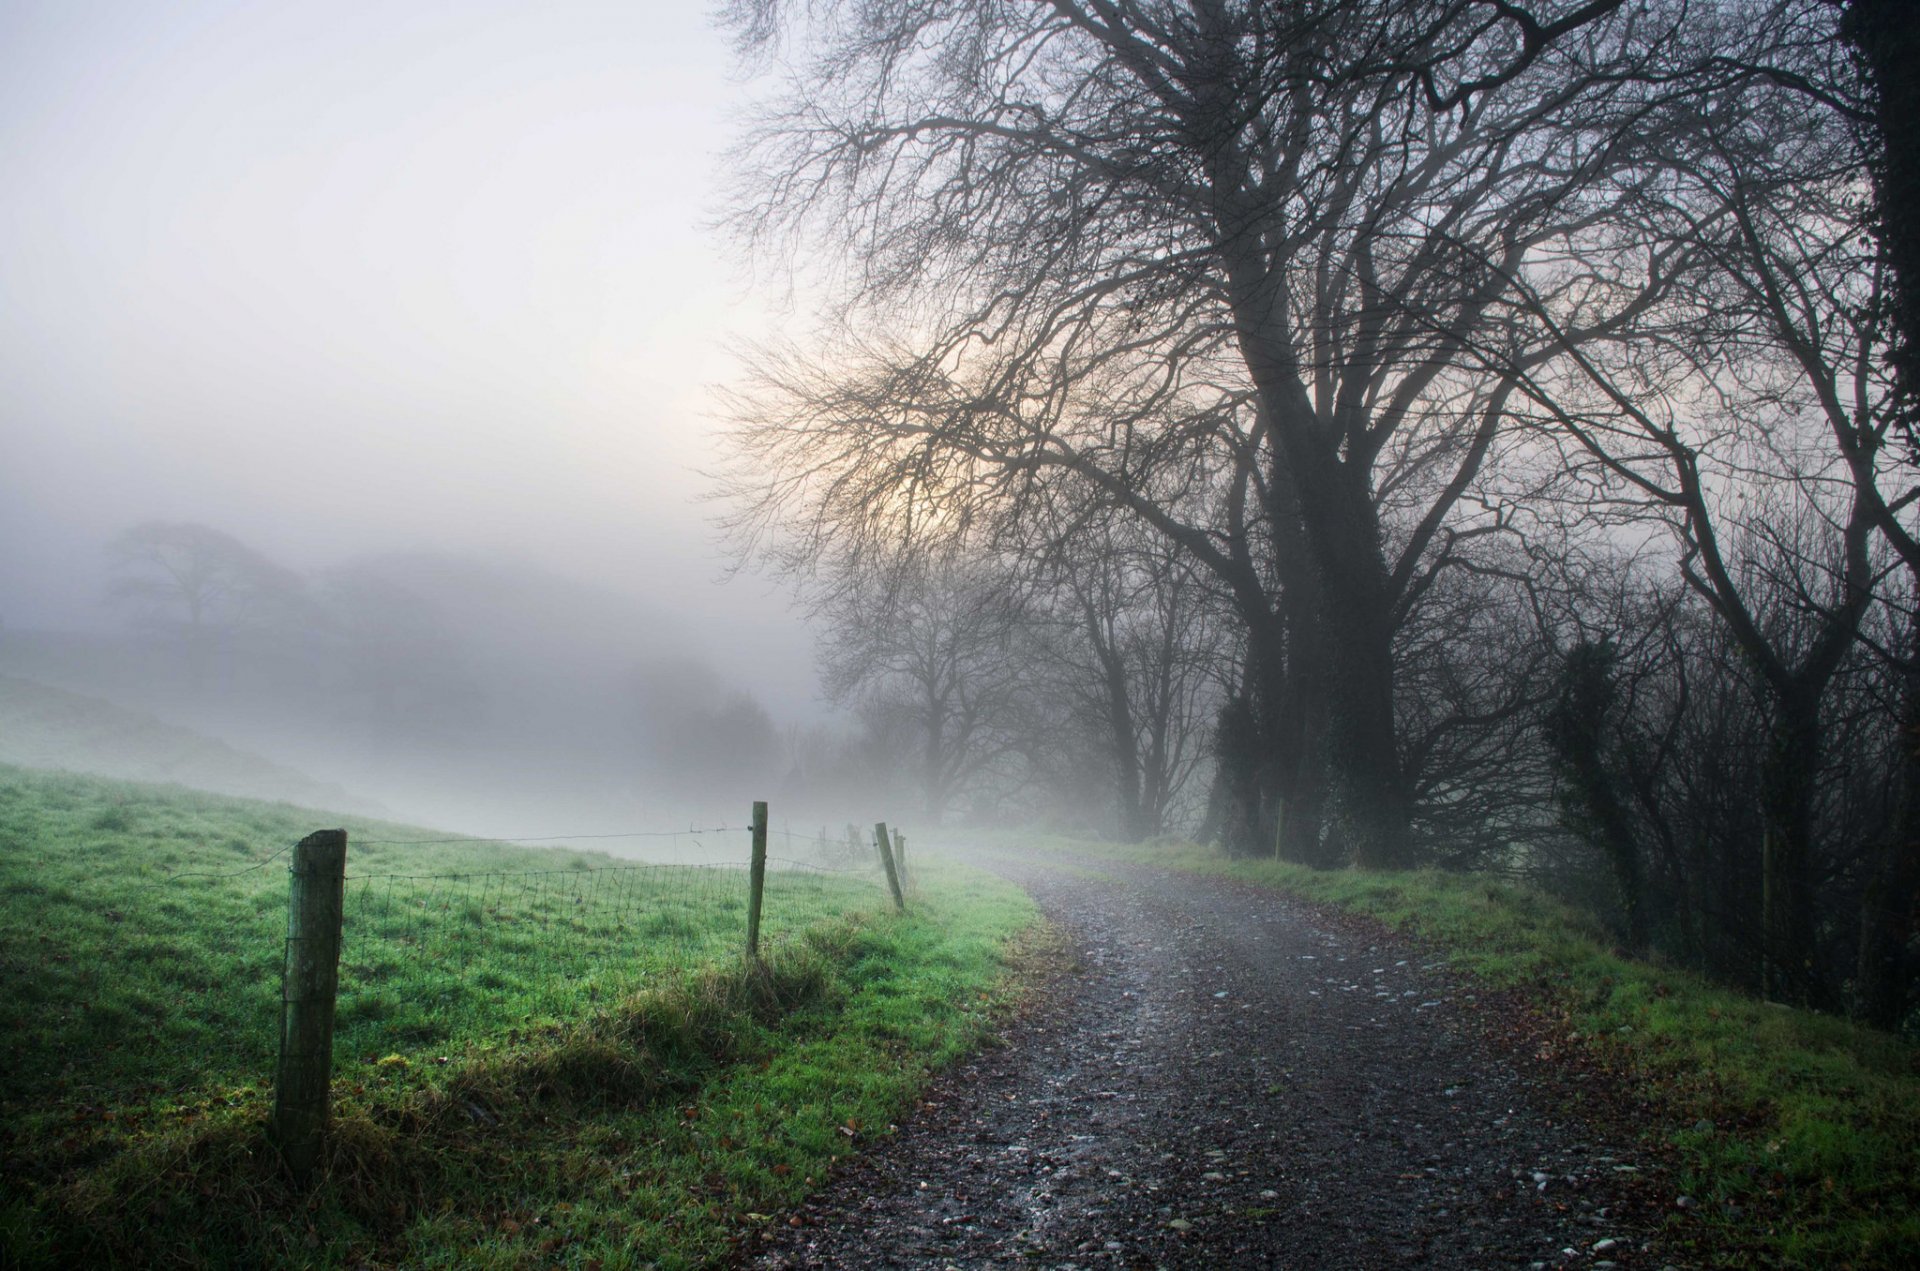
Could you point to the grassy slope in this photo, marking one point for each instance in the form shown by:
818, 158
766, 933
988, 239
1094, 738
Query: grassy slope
622, 1122
46, 727
1798, 1134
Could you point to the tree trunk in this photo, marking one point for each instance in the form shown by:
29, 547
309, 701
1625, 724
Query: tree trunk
933, 765
1786, 869
1287, 647
1890, 904
1353, 644
1371, 808
1886, 37
1890, 916
1617, 842
1576, 731
1213, 821
1371, 805
1136, 824
1237, 749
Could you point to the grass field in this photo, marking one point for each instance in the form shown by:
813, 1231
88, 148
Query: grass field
542, 1056
1796, 1134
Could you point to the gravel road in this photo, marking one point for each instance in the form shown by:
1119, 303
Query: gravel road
1225, 1078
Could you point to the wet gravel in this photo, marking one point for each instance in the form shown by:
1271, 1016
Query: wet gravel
1224, 1078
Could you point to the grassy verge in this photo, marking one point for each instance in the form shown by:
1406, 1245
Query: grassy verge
645, 1121
1796, 1134
142, 930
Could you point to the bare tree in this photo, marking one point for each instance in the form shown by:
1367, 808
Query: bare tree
1749, 410
933, 649
1264, 230
194, 576
1140, 645
201, 589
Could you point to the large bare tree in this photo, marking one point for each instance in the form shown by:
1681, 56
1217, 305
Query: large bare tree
1220, 263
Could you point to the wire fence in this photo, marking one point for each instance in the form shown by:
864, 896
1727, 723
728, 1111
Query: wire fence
432, 953
135, 973
428, 959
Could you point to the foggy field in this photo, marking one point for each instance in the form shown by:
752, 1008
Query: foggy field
142, 950
141, 942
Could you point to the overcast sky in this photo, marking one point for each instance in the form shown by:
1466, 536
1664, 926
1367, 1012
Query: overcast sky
351, 277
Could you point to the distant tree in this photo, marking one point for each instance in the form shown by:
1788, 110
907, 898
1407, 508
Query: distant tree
183, 574
693, 727
932, 650
1136, 647
198, 589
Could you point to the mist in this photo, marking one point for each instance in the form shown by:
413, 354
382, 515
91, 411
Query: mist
424, 299
1371, 548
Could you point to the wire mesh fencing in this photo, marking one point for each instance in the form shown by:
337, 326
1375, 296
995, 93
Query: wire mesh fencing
425, 958
148, 971
429, 959
389, 961
813, 873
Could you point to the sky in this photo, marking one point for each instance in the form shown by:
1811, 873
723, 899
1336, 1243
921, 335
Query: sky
350, 277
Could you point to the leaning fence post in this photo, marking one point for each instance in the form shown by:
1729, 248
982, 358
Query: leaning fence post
884, 842
757, 878
900, 858
310, 980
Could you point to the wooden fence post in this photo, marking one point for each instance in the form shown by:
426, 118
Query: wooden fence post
900, 859
310, 980
757, 878
884, 842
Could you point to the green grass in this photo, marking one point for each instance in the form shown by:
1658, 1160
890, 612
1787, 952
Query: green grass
1797, 1133
554, 1062
142, 938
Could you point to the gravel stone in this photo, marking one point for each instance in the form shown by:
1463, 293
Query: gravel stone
1228, 1078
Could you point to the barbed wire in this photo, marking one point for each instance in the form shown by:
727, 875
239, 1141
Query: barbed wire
494, 946
570, 872
558, 838
469, 839
244, 869
428, 956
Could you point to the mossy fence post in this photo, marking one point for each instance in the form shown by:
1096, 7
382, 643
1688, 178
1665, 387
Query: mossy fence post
309, 984
756, 878
884, 842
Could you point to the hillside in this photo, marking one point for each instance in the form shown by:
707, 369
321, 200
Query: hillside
51, 728
542, 1056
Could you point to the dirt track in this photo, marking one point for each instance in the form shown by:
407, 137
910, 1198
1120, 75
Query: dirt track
1228, 1079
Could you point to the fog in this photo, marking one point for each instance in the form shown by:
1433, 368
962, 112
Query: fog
421, 296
